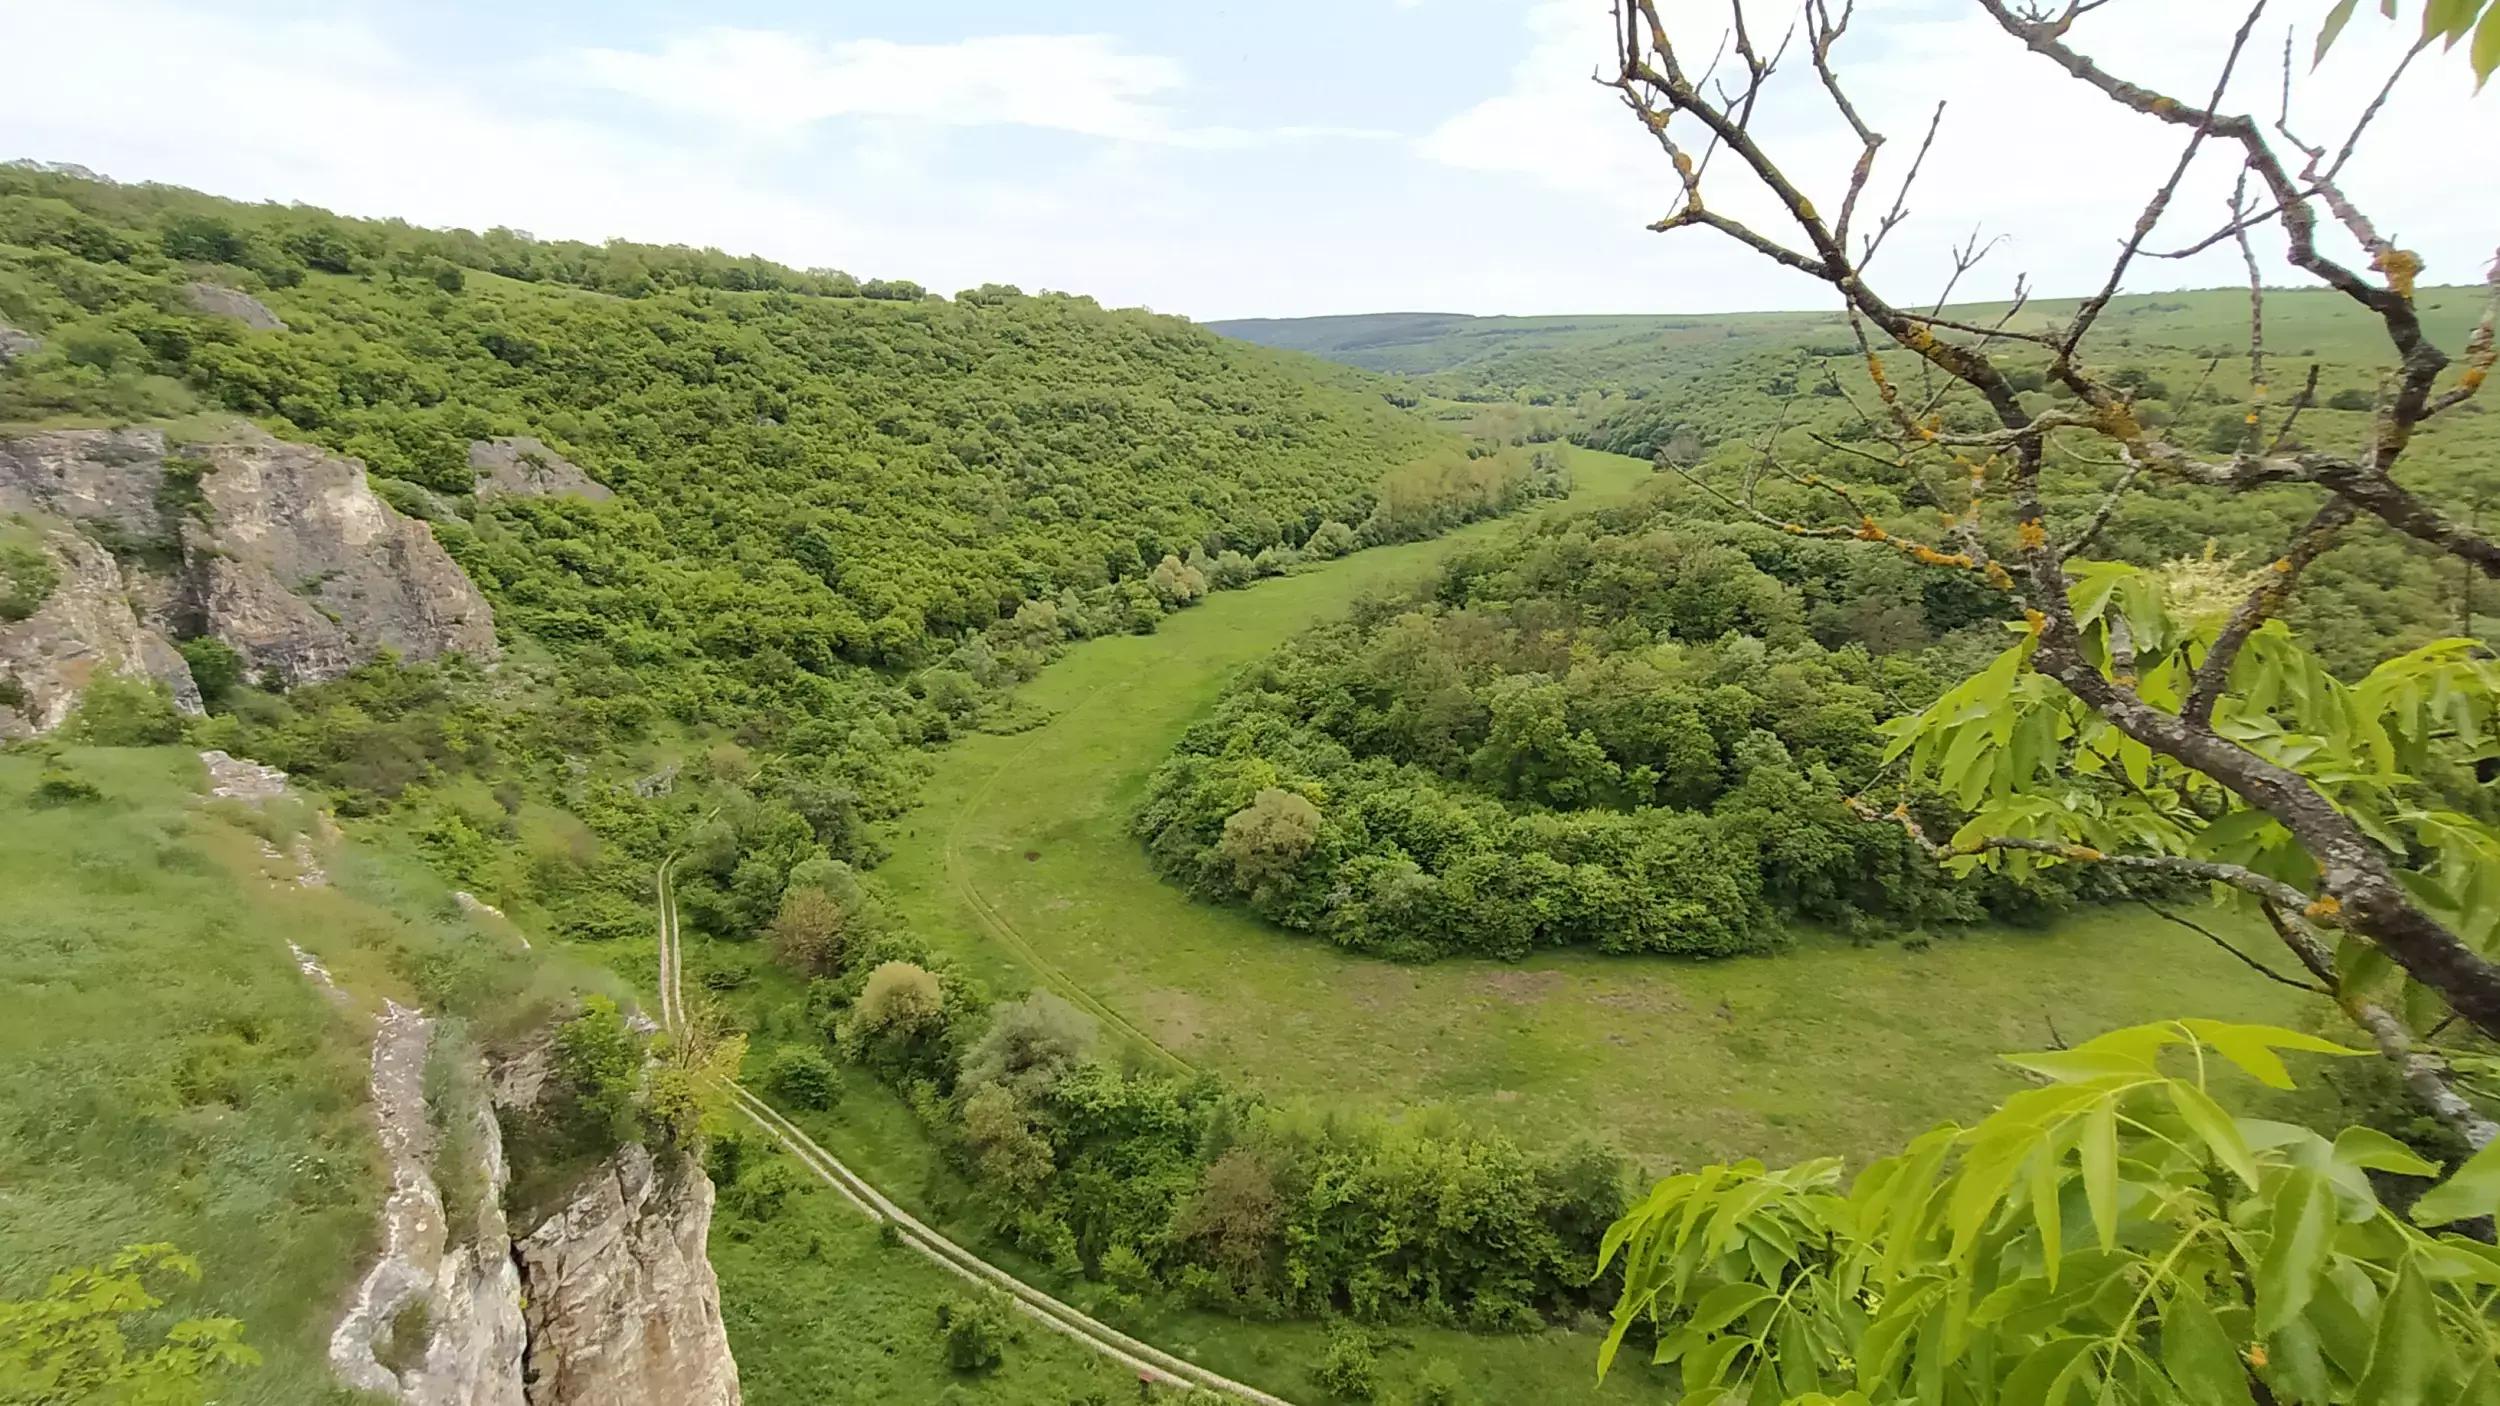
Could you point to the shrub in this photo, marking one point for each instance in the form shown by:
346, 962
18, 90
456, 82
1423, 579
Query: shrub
803, 1076
57, 787
1350, 1368
975, 1333
1439, 1384
125, 712
811, 932
600, 1062
27, 579
2349, 399
215, 667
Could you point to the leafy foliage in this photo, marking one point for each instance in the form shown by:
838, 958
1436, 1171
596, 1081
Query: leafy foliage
81, 1339
2114, 1235
2406, 750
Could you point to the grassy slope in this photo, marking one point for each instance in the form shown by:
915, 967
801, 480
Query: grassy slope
172, 1077
1823, 1048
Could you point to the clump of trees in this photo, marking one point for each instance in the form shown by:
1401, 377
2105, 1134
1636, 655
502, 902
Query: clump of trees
1621, 731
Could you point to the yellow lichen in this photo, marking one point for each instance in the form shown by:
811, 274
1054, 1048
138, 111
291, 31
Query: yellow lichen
2402, 267
2283, 566
2035, 620
2083, 852
2031, 535
1868, 531
1999, 578
2471, 379
2325, 910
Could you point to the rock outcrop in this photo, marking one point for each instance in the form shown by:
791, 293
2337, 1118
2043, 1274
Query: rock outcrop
83, 630
457, 1283
217, 300
306, 572
15, 343
281, 550
623, 1306
611, 1301
520, 466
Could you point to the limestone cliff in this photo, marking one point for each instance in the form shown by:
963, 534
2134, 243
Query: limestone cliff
610, 1301
280, 550
84, 629
623, 1307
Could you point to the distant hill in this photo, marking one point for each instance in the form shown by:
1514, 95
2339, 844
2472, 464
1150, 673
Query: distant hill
1560, 359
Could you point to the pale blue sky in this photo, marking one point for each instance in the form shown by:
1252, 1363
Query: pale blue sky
1302, 156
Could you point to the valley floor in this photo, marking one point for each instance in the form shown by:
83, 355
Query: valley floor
1020, 862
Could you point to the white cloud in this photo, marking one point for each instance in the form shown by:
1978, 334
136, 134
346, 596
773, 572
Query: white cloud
769, 82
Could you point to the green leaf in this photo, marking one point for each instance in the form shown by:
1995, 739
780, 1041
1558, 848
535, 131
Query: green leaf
2252, 1047
1724, 1305
2471, 1190
2485, 55
2215, 1128
2098, 1152
2304, 1228
2334, 24
2410, 1355
2048, 1374
2371, 1150
2198, 1355
2046, 1188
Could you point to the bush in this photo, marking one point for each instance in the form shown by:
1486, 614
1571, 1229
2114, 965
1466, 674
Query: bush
2349, 399
975, 1333
600, 1062
215, 667
124, 712
1439, 1384
1350, 1368
803, 1076
57, 787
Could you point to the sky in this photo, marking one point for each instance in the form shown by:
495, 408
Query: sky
1228, 158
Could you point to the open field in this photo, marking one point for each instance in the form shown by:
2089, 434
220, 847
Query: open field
1021, 863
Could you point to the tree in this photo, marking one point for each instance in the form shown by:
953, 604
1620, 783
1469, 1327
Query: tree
811, 932
2181, 723
80, 1340
2114, 1235
1329, 539
1265, 839
600, 1061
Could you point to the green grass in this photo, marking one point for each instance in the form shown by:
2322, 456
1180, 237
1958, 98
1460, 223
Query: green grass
171, 1076
1021, 863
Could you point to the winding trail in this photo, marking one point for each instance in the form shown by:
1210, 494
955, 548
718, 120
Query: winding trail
1148, 1361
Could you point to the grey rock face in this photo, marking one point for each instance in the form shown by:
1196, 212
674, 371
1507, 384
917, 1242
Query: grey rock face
14, 344
521, 466
217, 300
84, 630
460, 1276
95, 476
280, 550
307, 572
623, 1308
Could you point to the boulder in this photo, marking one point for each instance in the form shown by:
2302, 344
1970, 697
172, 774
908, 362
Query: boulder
217, 300
14, 344
521, 466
